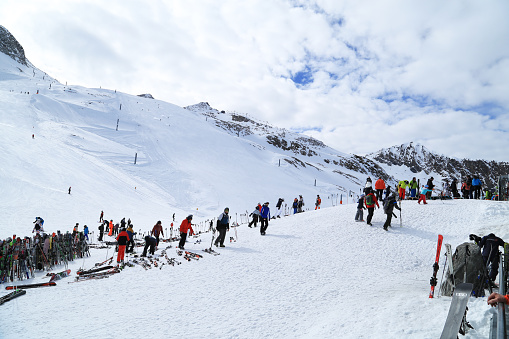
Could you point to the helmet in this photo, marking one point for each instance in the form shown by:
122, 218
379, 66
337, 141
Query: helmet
189, 217
226, 209
426, 186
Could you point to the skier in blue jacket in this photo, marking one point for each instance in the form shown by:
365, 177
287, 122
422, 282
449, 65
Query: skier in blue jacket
265, 216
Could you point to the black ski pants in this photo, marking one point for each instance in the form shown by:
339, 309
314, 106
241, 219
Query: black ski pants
254, 221
264, 225
379, 194
183, 237
221, 236
101, 236
389, 219
371, 210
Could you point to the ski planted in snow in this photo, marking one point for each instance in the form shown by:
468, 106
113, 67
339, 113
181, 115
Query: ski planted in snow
433, 280
457, 311
46, 284
448, 253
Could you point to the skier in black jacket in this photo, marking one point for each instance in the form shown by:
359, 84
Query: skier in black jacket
490, 253
389, 205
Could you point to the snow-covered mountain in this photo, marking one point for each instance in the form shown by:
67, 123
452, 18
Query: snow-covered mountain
317, 274
420, 160
196, 159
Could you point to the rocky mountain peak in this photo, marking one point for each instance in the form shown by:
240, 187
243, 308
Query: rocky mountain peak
11, 47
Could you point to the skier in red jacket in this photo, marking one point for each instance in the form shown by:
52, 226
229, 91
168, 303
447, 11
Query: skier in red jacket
185, 226
122, 239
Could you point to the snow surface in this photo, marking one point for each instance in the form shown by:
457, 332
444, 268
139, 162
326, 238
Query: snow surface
318, 274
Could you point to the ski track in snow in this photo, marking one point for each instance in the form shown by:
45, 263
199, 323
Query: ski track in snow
318, 274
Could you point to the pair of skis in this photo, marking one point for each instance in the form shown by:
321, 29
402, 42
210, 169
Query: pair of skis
211, 251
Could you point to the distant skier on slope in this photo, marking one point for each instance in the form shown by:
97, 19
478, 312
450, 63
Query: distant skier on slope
389, 205
359, 216
379, 188
122, 240
157, 230
256, 215
318, 202
185, 226
422, 197
300, 205
279, 206
223, 225
370, 202
265, 214
39, 222
295, 205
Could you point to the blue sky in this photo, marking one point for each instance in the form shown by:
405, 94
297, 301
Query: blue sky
346, 72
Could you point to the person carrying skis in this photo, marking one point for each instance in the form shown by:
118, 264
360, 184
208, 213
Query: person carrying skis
370, 202
379, 188
413, 185
122, 240
265, 216
359, 216
256, 216
490, 252
389, 205
223, 225
279, 209
299, 205
101, 217
185, 226
156, 230
318, 202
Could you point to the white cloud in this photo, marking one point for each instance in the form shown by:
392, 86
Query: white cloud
377, 67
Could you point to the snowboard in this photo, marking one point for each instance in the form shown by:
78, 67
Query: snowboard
457, 310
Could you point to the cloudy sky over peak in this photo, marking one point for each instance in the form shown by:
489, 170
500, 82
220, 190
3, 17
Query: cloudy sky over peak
358, 75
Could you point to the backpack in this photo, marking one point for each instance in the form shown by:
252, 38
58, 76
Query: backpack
386, 205
369, 199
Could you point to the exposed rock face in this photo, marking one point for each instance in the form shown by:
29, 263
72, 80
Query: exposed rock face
418, 158
11, 47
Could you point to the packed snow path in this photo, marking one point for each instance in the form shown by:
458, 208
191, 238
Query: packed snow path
318, 274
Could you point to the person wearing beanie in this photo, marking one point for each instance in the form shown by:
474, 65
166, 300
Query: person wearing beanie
223, 225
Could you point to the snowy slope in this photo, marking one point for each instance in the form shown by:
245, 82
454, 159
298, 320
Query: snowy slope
187, 161
318, 274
